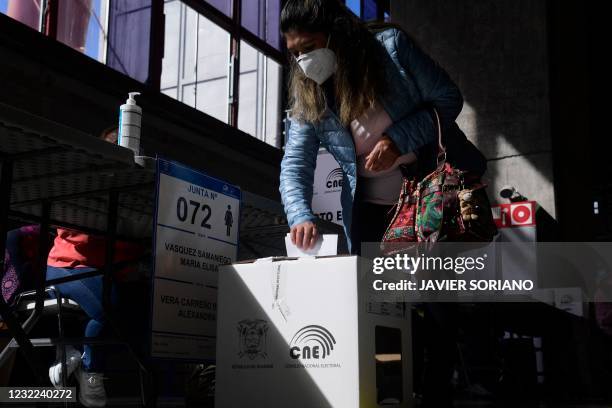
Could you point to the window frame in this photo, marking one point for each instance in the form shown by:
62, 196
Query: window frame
381, 7
48, 23
232, 24
236, 32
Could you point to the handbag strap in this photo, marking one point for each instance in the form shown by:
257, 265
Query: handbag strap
441, 158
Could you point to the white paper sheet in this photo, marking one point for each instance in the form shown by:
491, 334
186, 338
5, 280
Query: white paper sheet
326, 245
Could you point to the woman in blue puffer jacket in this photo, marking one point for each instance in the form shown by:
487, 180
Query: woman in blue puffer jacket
367, 97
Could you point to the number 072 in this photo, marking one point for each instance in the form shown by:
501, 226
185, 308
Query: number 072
190, 209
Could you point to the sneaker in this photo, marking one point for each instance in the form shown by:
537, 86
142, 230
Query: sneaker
73, 359
91, 392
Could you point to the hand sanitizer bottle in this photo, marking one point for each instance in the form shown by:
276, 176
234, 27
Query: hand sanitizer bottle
130, 116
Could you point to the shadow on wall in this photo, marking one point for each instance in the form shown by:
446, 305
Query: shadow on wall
496, 51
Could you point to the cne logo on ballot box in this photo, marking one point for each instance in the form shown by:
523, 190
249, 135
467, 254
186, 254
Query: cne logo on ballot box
312, 342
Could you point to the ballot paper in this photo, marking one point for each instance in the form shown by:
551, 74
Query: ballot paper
326, 245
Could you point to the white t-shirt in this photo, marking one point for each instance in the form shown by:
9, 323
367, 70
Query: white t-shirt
378, 187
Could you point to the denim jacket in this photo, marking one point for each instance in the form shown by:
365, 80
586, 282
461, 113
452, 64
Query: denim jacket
415, 84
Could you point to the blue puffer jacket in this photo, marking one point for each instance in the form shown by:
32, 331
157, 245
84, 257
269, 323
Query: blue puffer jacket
415, 84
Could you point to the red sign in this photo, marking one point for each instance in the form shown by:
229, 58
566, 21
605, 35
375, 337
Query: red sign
519, 214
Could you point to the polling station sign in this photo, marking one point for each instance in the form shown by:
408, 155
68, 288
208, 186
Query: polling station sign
196, 231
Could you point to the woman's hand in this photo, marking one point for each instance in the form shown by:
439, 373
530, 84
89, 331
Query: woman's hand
304, 235
383, 155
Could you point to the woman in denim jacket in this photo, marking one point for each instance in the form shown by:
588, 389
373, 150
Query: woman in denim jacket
367, 96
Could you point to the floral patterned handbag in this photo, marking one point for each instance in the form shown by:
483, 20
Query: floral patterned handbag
447, 205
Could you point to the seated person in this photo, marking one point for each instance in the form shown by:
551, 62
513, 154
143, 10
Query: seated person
74, 253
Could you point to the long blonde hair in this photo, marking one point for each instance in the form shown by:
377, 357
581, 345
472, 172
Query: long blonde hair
359, 80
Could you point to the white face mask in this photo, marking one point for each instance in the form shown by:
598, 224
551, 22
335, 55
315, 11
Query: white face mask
318, 64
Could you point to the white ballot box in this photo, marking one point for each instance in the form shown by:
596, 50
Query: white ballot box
302, 332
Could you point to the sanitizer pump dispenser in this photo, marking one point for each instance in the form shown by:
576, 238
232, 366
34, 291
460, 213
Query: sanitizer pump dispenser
130, 116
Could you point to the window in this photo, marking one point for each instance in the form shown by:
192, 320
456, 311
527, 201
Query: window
230, 71
196, 61
224, 6
261, 17
369, 10
260, 84
354, 6
82, 26
115, 32
129, 42
26, 12
221, 57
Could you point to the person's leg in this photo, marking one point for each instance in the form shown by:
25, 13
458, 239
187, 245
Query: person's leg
440, 326
88, 294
